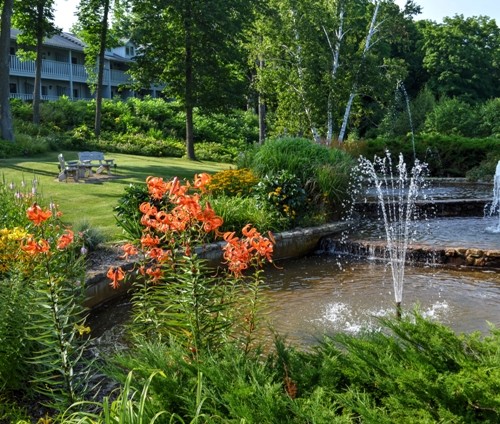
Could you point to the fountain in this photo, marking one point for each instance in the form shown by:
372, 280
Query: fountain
397, 195
495, 206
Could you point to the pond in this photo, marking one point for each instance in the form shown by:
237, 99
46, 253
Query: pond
315, 295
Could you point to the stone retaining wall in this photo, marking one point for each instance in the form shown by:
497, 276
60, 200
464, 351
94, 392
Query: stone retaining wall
289, 244
420, 254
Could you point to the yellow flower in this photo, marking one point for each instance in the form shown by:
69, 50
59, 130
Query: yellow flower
82, 329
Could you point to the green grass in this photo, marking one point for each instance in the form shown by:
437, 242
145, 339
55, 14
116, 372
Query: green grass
94, 202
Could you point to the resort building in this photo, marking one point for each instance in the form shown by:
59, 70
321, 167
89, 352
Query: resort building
64, 73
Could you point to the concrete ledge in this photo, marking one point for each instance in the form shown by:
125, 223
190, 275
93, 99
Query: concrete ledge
419, 254
289, 244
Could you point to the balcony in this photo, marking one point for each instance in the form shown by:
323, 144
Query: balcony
63, 71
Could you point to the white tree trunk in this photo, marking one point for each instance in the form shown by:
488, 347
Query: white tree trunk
300, 90
368, 44
335, 65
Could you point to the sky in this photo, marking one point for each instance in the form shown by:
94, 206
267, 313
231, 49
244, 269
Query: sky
435, 10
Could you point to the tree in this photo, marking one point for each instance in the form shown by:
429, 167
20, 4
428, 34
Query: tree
462, 57
93, 28
195, 49
326, 61
6, 129
35, 20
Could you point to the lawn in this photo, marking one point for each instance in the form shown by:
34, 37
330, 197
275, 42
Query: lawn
92, 200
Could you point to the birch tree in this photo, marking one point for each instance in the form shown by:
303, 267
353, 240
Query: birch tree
368, 44
320, 56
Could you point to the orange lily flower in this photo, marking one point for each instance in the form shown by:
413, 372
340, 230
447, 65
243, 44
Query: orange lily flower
37, 215
148, 209
155, 274
115, 275
149, 241
156, 187
65, 240
129, 250
33, 247
201, 181
159, 254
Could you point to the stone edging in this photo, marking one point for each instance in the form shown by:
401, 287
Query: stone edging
289, 244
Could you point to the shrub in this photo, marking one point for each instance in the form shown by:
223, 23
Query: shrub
322, 172
232, 182
489, 114
237, 212
284, 193
453, 117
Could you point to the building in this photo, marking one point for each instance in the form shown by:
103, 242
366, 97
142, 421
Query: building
64, 74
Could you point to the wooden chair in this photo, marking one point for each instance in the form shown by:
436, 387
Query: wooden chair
68, 169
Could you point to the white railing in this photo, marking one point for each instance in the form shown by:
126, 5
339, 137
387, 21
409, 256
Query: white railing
29, 97
61, 71
119, 77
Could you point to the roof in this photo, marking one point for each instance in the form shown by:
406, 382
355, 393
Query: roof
68, 41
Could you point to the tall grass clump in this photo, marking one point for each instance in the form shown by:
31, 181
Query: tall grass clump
322, 172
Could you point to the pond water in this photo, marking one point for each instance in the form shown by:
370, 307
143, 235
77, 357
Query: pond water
319, 295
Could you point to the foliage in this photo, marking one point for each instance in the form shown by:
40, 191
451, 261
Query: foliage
461, 57
91, 237
147, 127
446, 156
41, 291
410, 370
312, 57
452, 117
232, 182
127, 212
236, 212
486, 170
489, 118
128, 406
182, 65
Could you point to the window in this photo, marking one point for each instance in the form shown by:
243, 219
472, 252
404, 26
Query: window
12, 51
61, 91
13, 87
75, 93
74, 60
45, 90
129, 50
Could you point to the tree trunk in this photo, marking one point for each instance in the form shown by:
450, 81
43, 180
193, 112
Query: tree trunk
335, 66
189, 89
368, 44
300, 90
38, 66
6, 129
100, 70
262, 113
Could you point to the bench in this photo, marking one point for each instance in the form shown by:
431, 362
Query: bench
90, 159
